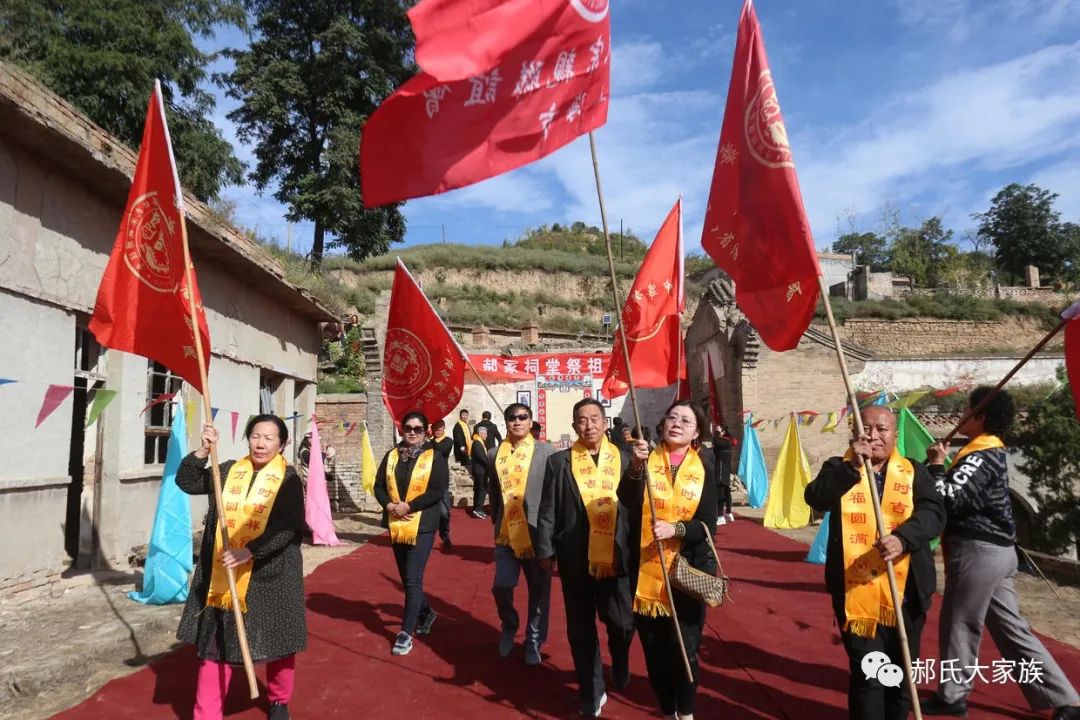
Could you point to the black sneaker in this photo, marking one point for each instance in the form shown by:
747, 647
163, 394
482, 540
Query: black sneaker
278, 711
1067, 712
934, 705
426, 621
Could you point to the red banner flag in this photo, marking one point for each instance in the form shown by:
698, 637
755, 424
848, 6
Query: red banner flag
423, 366
54, 396
651, 316
1072, 351
502, 83
142, 302
755, 225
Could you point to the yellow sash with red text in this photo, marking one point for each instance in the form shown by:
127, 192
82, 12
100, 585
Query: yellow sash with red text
247, 508
512, 466
867, 600
598, 484
676, 500
404, 532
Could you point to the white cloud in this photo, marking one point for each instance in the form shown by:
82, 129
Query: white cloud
636, 65
1064, 179
962, 19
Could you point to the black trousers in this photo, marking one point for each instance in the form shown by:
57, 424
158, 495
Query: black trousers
868, 699
663, 662
480, 486
445, 505
586, 598
411, 562
723, 499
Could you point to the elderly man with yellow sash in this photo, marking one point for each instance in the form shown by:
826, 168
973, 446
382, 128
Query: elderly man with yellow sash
516, 477
583, 524
855, 572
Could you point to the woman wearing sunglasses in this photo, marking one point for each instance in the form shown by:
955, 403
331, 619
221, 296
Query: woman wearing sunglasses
408, 486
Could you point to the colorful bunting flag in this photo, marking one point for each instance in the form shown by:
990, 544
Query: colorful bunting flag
752, 470
235, 418
367, 463
102, 398
5, 381
213, 414
787, 507
317, 499
831, 423
190, 410
54, 396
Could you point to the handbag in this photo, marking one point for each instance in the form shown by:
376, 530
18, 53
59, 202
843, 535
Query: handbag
698, 584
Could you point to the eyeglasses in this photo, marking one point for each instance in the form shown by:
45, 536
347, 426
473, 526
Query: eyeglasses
519, 416
684, 422
414, 429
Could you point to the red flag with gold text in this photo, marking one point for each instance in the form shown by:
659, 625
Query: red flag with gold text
423, 366
502, 83
651, 317
755, 225
142, 304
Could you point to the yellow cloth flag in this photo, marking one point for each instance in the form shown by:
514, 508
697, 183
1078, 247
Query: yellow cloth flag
247, 508
404, 532
832, 422
867, 599
786, 507
368, 470
676, 500
982, 442
513, 469
598, 484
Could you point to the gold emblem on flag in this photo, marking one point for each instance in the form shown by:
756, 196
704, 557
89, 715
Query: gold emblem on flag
406, 365
766, 135
149, 239
792, 289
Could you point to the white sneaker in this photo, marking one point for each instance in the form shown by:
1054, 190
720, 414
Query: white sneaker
721, 521
731, 517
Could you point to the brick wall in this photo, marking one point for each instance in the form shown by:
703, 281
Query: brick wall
922, 337
343, 474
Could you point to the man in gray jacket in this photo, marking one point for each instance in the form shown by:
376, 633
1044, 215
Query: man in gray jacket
516, 482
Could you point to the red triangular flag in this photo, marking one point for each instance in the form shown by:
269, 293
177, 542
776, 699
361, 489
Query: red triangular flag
501, 84
142, 302
755, 225
423, 366
1072, 351
235, 419
54, 395
651, 316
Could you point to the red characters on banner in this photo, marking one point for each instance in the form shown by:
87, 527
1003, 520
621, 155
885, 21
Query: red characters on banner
755, 225
501, 84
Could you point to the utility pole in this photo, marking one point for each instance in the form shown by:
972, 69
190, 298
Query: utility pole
622, 253
288, 237
444, 234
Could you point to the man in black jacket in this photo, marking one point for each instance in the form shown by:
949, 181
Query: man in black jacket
462, 439
478, 466
444, 446
494, 437
919, 516
564, 533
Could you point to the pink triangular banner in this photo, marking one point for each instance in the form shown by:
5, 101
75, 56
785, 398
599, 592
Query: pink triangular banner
317, 504
54, 395
235, 419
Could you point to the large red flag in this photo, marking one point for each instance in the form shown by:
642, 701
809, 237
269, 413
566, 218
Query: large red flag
1072, 351
423, 366
502, 83
755, 225
142, 302
651, 316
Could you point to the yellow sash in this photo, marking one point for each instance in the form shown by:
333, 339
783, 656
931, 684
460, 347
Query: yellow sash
404, 532
598, 483
982, 442
676, 501
246, 511
867, 600
464, 429
513, 468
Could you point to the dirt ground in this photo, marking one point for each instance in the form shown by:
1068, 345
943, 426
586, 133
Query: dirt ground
58, 646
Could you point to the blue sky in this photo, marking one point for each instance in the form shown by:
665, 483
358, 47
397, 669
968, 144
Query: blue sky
925, 106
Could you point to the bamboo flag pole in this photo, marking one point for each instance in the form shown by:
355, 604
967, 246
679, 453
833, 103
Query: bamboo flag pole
897, 597
215, 471
634, 403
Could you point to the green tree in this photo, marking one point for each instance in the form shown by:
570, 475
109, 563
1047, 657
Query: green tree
1024, 229
1050, 441
312, 74
103, 56
868, 248
924, 254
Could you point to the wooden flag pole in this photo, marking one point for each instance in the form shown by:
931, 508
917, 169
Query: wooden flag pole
215, 471
897, 597
634, 404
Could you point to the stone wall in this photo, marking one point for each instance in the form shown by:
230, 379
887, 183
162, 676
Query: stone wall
925, 337
343, 473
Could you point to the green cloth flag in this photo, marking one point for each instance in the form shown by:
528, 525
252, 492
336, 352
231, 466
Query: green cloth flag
101, 399
912, 437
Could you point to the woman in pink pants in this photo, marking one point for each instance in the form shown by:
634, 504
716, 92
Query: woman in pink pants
264, 510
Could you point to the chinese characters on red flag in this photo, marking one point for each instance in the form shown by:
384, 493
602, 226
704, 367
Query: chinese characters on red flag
502, 83
142, 304
755, 225
423, 366
651, 316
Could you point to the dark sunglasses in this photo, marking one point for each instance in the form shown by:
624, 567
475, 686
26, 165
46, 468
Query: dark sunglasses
520, 416
413, 429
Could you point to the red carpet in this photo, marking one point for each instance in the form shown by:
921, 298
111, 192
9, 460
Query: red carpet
772, 652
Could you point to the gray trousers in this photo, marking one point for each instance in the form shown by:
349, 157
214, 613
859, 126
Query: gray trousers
979, 591
508, 568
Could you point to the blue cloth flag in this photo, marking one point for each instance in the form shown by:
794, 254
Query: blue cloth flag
821, 541
752, 469
169, 561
